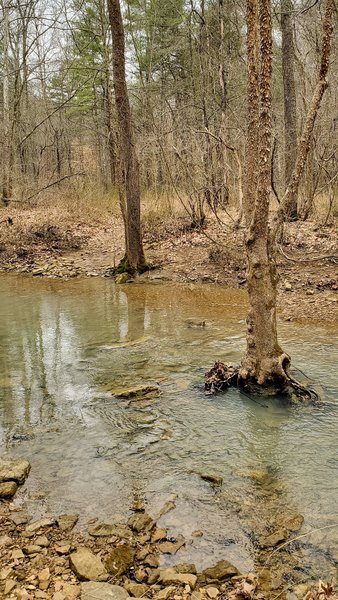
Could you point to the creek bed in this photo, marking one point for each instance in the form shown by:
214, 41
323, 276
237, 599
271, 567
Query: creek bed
65, 346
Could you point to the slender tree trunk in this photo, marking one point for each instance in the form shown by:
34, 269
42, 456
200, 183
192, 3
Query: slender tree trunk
7, 142
264, 361
135, 259
290, 104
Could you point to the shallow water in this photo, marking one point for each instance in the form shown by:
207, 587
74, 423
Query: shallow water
64, 345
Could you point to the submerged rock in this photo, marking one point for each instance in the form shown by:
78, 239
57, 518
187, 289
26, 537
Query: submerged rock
171, 547
275, 538
66, 522
222, 570
102, 591
14, 470
107, 529
8, 489
141, 522
212, 478
138, 392
119, 560
87, 566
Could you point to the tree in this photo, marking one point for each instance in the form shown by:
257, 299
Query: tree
134, 259
290, 103
265, 366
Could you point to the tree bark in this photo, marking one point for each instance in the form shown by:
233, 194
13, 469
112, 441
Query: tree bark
134, 259
7, 141
264, 362
290, 104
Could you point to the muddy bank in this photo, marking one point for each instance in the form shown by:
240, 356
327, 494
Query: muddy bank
45, 246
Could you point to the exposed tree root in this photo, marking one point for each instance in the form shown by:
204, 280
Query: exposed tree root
221, 376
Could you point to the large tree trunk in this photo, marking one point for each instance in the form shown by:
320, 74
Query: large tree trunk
290, 104
264, 362
134, 259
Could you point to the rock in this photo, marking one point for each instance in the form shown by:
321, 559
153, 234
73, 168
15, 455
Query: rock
139, 391
222, 570
71, 591
287, 286
106, 530
86, 565
5, 540
257, 475
62, 548
20, 518
186, 568
66, 522
169, 576
8, 489
292, 523
273, 539
197, 533
14, 470
151, 560
6, 572
44, 575
17, 554
102, 591
141, 575
167, 507
9, 586
119, 560
136, 589
212, 478
165, 593
153, 576
159, 534
141, 522
41, 524
171, 547
212, 592
43, 541
196, 596
31, 549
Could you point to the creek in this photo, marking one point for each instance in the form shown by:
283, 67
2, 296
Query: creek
65, 346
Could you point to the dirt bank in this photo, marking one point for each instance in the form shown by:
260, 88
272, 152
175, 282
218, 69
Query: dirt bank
52, 244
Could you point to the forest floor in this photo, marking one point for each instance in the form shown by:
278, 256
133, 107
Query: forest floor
58, 243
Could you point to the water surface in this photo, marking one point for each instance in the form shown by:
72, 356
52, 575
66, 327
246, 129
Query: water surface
66, 345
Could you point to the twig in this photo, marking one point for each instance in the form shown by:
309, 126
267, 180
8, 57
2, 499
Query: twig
307, 260
55, 183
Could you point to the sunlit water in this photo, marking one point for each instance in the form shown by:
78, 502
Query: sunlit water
64, 345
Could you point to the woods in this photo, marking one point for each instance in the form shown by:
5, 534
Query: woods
186, 73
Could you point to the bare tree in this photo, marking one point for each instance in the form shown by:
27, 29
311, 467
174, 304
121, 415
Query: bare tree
134, 259
290, 103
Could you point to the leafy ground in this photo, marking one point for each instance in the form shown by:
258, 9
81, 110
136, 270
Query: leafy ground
55, 242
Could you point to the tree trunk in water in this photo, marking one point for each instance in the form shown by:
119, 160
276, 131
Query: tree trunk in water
290, 104
264, 363
134, 259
